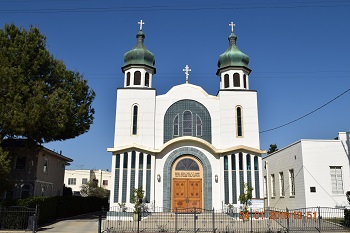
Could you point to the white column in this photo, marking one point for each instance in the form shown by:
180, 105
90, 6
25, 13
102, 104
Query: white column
128, 179
153, 180
229, 161
252, 166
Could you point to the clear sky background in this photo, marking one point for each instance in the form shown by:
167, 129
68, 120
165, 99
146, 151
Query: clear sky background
299, 56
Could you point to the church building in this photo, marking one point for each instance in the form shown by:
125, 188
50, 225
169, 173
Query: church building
186, 148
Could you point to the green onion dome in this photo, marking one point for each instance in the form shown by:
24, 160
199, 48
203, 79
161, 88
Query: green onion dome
139, 55
232, 57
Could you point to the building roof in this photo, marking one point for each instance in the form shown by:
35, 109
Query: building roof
16, 143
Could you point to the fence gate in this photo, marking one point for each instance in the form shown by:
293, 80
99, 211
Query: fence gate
18, 218
194, 220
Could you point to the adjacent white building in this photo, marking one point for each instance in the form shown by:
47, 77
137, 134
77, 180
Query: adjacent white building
186, 148
76, 178
308, 173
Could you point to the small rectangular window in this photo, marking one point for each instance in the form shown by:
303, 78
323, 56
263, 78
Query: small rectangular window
312, 189
291, 182
72, 181
273, 185
84, 181
105, 182
282, 184
45, 168
337, 179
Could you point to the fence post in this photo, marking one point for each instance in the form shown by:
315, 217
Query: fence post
194, 224
251, 220
33, 223
213, 220
176, 220
99, 222
287, 219
319, 218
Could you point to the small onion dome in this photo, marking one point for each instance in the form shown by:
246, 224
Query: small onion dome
232, 57
139, 55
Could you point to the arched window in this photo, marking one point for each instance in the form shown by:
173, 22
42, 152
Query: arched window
128, 79
226, 81
198, 126
239, 121
176, 125
236, 81
137, 78
187, 164
245, 81
147, 80
187, 123
134, 119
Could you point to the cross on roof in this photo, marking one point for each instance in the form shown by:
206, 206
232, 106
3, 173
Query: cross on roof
232, 26
141, 23
187, 69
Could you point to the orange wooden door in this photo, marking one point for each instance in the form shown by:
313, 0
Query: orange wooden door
187, 193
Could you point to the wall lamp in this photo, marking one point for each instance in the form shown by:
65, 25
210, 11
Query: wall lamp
216, 178
158, 178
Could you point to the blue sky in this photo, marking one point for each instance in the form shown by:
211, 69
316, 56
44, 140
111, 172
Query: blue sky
299, 56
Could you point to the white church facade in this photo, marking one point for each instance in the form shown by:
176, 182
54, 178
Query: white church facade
186, 148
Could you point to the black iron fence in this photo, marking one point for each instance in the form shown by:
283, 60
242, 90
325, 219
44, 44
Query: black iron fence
18, 218
318, 219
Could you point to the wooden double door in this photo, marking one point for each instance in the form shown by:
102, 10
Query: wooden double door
186, 194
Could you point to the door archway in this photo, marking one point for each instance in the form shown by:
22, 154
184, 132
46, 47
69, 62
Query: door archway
187, 184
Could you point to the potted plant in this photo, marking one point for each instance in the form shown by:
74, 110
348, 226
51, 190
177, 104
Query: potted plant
137, 198
244, 198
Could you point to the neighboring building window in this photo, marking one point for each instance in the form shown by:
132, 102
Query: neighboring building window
239, 121
281, 184
25, 191
292, 182
72, 181
105, 182
337, 179
84, 181
236, 81
45, 168
226, 81
265, 186
21, 163
147, 80
128, 79
244, 81
198, 126
176, 125
137, 78
187, 123
134, 119
273, 185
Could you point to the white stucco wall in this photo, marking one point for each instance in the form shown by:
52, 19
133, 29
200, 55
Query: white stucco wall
311, 161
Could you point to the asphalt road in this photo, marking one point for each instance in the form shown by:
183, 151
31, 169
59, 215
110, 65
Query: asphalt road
84, 223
